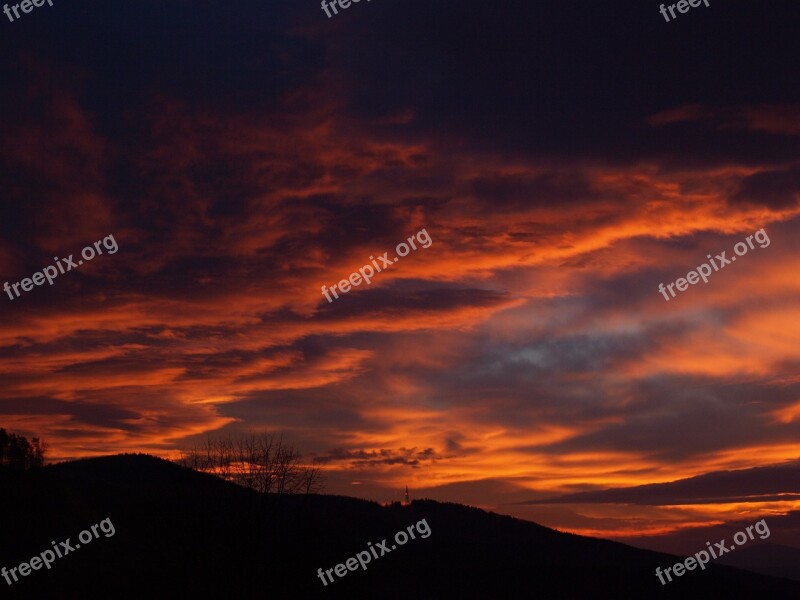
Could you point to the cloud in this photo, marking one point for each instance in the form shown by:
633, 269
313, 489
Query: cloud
776, 189
758, 484
402, 456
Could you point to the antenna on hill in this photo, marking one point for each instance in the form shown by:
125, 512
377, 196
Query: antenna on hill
406, 502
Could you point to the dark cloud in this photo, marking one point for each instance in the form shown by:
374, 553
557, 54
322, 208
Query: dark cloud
514, 191
402, 456
397, 301
711, 416
775, 189
759, 484
98, 414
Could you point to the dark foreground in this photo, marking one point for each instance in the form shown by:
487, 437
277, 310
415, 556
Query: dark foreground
181, 534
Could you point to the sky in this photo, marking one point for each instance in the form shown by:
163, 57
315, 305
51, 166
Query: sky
564, 159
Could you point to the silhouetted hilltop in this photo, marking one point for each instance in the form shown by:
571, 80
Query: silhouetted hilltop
183, 534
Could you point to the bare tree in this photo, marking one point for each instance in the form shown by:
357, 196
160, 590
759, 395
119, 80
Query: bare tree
312, 479
259, 462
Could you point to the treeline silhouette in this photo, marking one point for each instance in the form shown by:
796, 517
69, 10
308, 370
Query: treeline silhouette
17, 453
261, 462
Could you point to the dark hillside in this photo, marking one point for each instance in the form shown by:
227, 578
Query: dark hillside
182, 534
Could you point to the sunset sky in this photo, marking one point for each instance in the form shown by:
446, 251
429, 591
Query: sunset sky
565, 159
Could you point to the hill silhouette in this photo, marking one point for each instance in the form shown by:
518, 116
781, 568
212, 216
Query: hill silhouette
183, 534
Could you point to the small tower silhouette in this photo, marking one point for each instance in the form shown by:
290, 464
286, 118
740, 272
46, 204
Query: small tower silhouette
406, 501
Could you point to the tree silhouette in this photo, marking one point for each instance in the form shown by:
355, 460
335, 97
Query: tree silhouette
260, 462
16, 452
